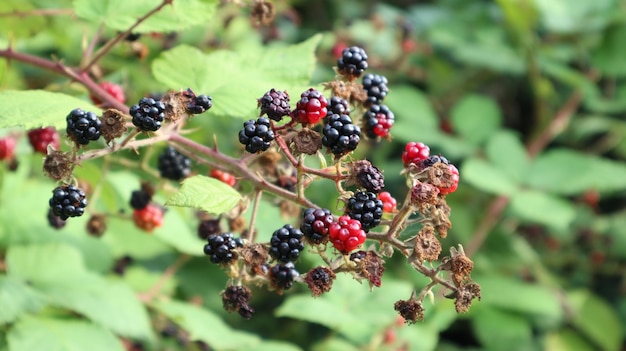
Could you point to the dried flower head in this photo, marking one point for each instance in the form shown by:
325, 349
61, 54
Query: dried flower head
440, 176
320, 280
262, 13
367, 176
97, 225
307, 141
460, 265
411, 310
424, 196
427, 246
58, 165
465, 295
235, 299
112, 124
254, 255
369, 266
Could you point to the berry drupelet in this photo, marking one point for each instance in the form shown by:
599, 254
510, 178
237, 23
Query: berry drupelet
68, 201
274, 104
353, 62
375, 86
315, 224
340, 134
220, 247
377, 121
83, 126
256, 135
148, 114
366, 208
173, 165
311, 107
286, 243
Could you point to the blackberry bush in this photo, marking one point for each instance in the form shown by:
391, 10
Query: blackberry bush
148, 114
173, 165
340, 135
256, 135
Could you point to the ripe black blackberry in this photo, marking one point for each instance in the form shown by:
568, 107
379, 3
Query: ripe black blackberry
220, 247
139, 199
200, 104
286, 243
173, 165
148, 114
431, 160
55, 221
377, 121
366, 208
340, 135
208, 227
338, 106
353, 62
83, 126
375, 86
274, 104
256, 135
369, 177
315, 223
282, 275
68, 201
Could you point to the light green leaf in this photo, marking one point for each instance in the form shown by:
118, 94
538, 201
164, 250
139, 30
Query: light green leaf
18, 110
487, 177
236, 79
563, 16
411, 107
506, 152
596, 319
177, 232
121, 14
17, 298
204, 325
501, 330
334, 344
205, 193
543, 208
476, 118
607, 58
270, 345
50, 263
31, 333
567, 340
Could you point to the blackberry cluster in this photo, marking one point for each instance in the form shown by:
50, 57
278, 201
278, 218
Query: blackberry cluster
375, 86
68, 201
139, 199
286, 243
274, 104
83, 126
370, 177
220, 247
377, 121
353, 62
283, 275
338, 106
256, 135
315, 223
340, 135
366, 208
200, 104
148, 114
173, 165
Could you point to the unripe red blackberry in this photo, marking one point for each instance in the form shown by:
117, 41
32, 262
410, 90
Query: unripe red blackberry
148, 218
173, 165
340, 135
338, 106
223, 176
377, 121
353, 62
366, 208
68, 201
455, 178
7, 148
274, 104
389, 202
220, 247
256, 135
40, 138
315, 224
311, 107
282, 275
148, 114
346, 234
415, 152
375, 86
83, 126
113, 89
286, 243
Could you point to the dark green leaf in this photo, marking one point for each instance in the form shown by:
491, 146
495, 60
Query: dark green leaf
205, 193
412, 108
476, 118
596, 319
17, 298
506, 152
608, 57
501, 330
543, 208
567, 340
487, 177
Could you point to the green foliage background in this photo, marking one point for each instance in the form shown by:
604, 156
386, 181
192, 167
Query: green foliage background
479, 81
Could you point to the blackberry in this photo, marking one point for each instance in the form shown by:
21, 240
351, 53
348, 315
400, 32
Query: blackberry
315, 223
431, 160
274, 104
256, 135
366, 208
40, 138
220, 247
375, 86
83, 126
55, 221
68, 201
377, 121
200, 104
139, 199
148, 114
286, 243
370, 177
340, 135
338, 106
311, 107
283, 275
174, 165
353, 62
208, 227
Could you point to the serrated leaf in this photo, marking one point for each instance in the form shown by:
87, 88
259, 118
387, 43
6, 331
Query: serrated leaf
487, 177
476, 117
236, 79
543, 208
37, 108
121, 14
204, 325
205, 193
596, 319
506, 152
36, 333
17, 298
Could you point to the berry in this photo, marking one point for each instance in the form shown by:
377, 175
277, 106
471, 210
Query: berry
256, 135
220, 247
377, 121
208, 227
389, 202
432, 160
455, 178
174, 165
148, 114
40, 138
225, 177
83, 126
148, 218
7, 148
353, 62
311, 107
346, 234
68, 201
338, 106
139, 199
274, 104
315, 224
200, 104
366, 208
375, 86
369, 176
286, 243
113, 89
414, 152
55, 221
283, 275
340, 135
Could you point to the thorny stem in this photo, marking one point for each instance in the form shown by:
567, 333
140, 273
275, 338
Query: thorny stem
168, 274
251, 235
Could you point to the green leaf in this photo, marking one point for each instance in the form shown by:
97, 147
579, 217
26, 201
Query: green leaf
543, 208
270, 345
31, 333
596, 319
567, 340
411, 105
334, 344
121, 14
177, 232
18, 110
506, 152
568, 172
476, 118
223, 73
563, 16
487, 177
205, 193
16, 298
50, 263
501, 330
204, 325
607, 58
